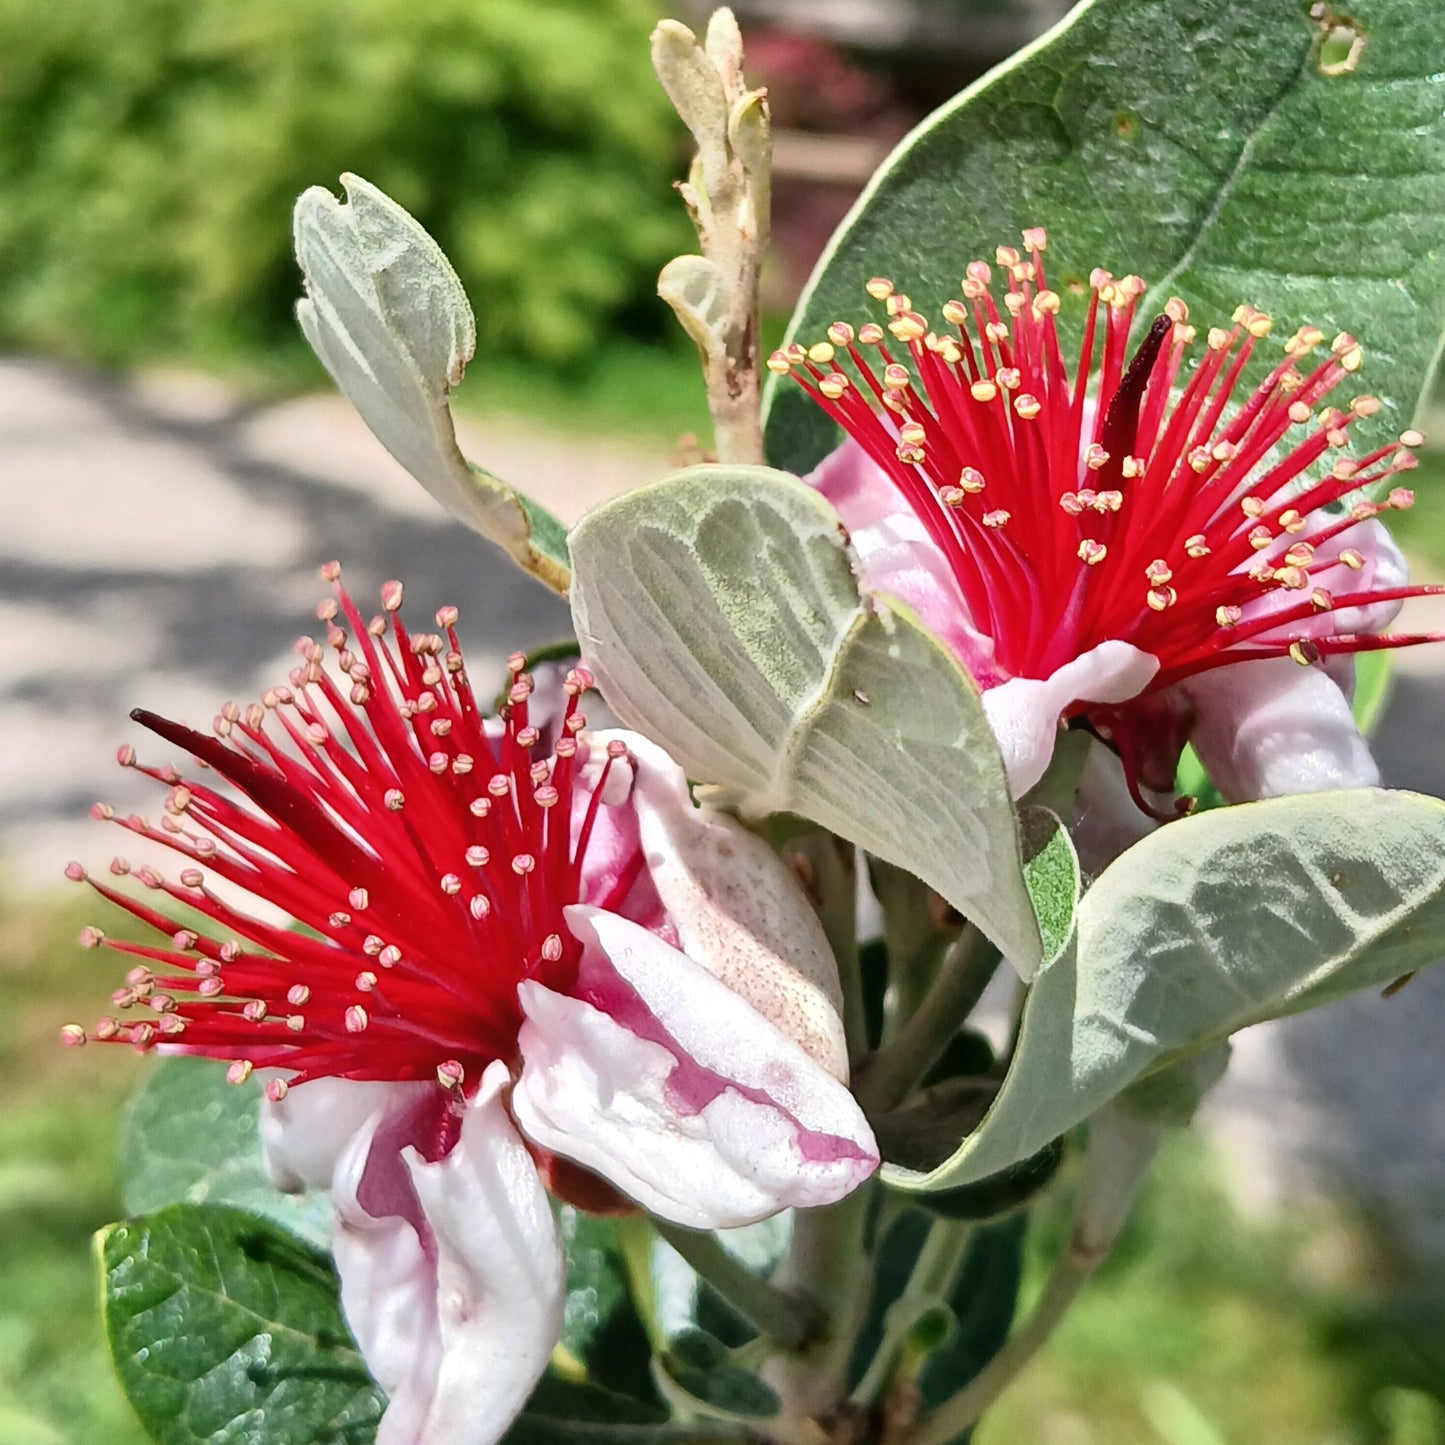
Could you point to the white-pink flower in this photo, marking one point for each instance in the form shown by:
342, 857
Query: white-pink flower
528, 961
1135, 540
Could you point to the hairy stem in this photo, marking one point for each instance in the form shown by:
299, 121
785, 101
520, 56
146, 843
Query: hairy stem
786, 1319
896, 1068
1120, 1151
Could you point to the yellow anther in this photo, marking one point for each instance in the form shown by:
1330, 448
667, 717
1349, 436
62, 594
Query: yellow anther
1099, 278
895, 402
1008, 377
1347, 351
1401, 499
909, 455
1159, 598
1095, 456
1291, 521
1176, 309
1091, 553
948, 349
1014, 303
1344, 469
1304, 652
1133, 467
1260, 537
1047, 303
1295, 579
1224, 451
970, 480
1108, 501
1027, 406
1252, 506
908, 327
955, 313
821, 353
1352, 559
834, 385
952, 496
1006, 256
841, 334
1158, 573
1217, 339
895, 377
779, 364
1412, 438
1184, 335
1228, 616
995, 519
870, 333
996, 331
982, 390
1036, 238
1299, 413
1196, 546
1071, 504
898, 303
911, 433
1199, 459
879, 288
1321, 599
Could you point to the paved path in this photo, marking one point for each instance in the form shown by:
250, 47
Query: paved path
159, 544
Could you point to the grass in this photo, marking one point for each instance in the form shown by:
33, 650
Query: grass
1204, 1329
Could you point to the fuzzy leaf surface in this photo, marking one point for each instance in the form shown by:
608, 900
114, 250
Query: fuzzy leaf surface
388, 318
721, 615
1206, 926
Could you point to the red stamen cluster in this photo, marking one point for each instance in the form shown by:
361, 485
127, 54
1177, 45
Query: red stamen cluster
426, 863
1070, 515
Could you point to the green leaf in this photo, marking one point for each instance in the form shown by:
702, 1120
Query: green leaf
1197, 143
389, 320
1051, 871
721, 615
225, 1329
1207, 925
564, 1412
698, 1371
187, 1136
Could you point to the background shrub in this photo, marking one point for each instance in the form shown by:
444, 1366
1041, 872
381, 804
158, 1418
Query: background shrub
150, 151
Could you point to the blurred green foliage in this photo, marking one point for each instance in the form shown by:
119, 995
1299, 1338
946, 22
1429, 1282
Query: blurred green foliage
152, 150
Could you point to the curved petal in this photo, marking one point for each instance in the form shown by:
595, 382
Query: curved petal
1269, 728
668, 1084
736, 908
1025, 711
452, 1277
303, 1135
896, 554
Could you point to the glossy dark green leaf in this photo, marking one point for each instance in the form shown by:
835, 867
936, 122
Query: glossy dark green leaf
1199, 143
226, 1329
189, 1136
564, 1412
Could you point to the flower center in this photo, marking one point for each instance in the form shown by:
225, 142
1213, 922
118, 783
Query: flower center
1127, 498
422, 855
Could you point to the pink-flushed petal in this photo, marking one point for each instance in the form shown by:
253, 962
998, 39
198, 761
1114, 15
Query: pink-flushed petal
896, 554
304, 1133
673, 1088
452, 1277
736, 908
614, 845
1025, 712
501, 1284
1270, 728
381, 1246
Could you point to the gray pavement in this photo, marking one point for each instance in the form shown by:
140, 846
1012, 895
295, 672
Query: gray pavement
158, 545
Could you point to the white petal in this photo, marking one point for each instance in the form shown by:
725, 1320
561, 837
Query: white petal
304, 1134
675, 1089
737, 909
1269, 728
388, 1284
1025, 711
500, 1274
452, 1278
